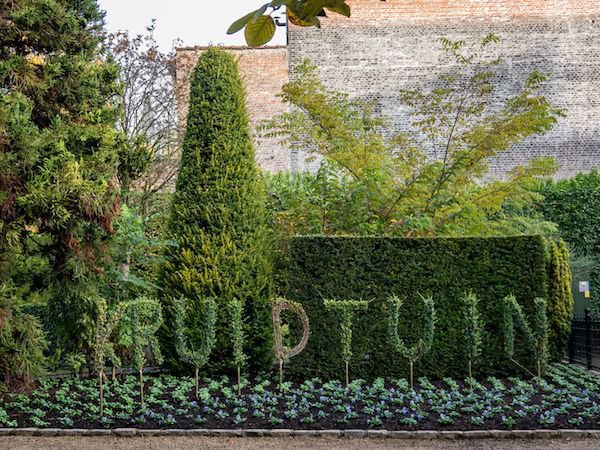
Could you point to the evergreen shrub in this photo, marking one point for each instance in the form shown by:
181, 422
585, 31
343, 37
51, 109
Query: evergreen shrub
374, 268
218, 219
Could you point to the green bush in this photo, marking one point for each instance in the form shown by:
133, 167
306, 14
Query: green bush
218, 217
373, 268
574, 205
560, 300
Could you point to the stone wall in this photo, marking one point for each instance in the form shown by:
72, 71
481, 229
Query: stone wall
264, 71
391, 45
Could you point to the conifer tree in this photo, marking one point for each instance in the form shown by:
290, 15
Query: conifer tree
218, 216
58, 146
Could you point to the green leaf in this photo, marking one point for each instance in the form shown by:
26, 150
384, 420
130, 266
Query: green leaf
242, 22
342, 9
259, 30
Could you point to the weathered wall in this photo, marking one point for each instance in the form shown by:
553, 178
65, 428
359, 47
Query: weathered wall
264, 71
390, 45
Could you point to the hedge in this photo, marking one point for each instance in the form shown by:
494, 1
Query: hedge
574, 205
372, 268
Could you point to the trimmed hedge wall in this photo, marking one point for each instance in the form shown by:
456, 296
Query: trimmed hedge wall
372, 268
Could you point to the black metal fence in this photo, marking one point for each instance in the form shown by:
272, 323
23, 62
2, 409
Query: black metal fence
584, 344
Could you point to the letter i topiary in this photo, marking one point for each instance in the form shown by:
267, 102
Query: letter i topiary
146, 318
236, 311
194, 343
345, 310
473, 330
106, 323
423, 345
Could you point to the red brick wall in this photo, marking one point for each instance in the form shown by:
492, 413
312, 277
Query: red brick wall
370, 12
264, 71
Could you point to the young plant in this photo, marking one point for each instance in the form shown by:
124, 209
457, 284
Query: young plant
103, 349
236, 310
423, 345
345, 310
195, 353
473, 330
281, 352
536, 335
146, 318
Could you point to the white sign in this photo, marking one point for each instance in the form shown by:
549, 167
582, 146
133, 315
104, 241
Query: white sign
584, 286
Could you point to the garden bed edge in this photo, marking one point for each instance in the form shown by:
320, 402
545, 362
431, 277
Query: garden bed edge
347, 433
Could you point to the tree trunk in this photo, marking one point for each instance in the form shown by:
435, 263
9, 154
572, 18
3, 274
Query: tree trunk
347, 375
239, 371
197, 382
280, 375
412, 384
101, 393
141, 387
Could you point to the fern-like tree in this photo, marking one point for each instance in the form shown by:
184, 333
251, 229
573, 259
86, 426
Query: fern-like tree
218, 216
535, 333
345, 310
146, 318
423, 344
473, 330
195, 331
236, 312
103, 348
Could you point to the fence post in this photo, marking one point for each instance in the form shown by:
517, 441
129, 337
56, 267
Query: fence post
588, 337
571, 345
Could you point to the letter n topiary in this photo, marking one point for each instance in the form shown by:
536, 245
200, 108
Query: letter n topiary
218, 217
536, 334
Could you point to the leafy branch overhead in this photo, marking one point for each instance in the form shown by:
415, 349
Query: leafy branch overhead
259, 25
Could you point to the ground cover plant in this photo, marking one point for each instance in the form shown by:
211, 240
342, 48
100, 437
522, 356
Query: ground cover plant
566, 397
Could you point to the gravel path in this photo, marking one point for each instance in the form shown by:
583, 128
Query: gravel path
164, 443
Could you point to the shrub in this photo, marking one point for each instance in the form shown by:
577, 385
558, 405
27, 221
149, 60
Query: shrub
22, 341
573, 204
420, 346
145, 315
560, 305
376, 267
218, 216
535, 333
345, 310
195, 351
473, 330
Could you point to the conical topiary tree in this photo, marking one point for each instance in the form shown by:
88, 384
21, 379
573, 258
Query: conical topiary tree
218, 215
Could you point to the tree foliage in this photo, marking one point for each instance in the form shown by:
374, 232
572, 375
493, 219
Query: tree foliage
195, 352
58, 146
574, 205
428, 180
259, 25
473, 329
148, 161
22, 341
560, 304
420, 346
535, 333
58, 157
218, 217
345, 310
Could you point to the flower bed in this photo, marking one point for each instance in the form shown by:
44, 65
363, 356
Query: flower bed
567, 397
